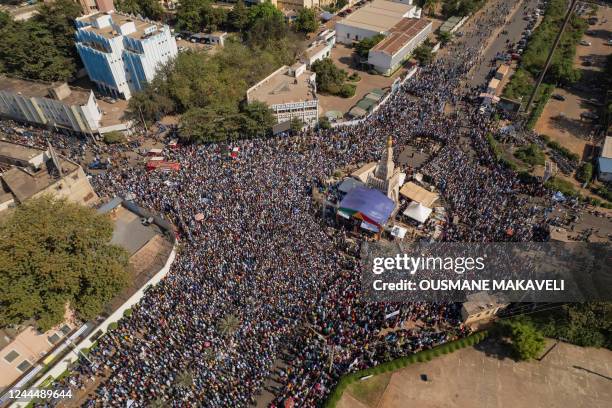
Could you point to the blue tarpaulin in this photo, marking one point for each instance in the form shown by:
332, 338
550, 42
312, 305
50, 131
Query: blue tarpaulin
368, 205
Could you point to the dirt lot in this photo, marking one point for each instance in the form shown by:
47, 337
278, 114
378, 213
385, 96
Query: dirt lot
343, 58
568, 376
561, 119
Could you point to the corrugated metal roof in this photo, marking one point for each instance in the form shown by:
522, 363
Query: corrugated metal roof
400, 34
605, 165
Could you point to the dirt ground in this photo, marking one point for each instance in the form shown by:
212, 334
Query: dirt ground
343, 58
561, 119
568, 376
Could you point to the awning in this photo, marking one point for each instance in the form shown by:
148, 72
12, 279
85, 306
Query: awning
367, 205
417, 212
348, 184
369, 227
417, 193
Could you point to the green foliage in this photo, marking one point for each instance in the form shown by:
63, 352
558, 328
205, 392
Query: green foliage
520, 85
53, 254
211, 88
238, 17
604, 192
564, 186
363, 47
199, 15
460, 7
347, 90
584, 174
147, 8
530, 154
128, 312
324, 123
354, 77
266, 24
331, 79
113, 326
445, 37
114, 137
533, 59
296, 125
423, 53
542, 97
527, 341
42, 47
583, 324
306, 21
494, 145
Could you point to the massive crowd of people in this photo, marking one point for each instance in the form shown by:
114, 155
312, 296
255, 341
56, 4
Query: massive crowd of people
263, 255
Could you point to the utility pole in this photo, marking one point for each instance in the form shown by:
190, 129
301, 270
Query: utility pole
568, 15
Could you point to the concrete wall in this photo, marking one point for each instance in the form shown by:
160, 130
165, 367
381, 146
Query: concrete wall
347, 34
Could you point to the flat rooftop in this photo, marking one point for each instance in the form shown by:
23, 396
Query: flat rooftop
281, 87
379, 15
39, 89
129, 232
25, 182
401, 34
18, 152
118, 20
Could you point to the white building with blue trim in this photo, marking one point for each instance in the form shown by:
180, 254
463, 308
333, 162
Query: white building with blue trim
121, 53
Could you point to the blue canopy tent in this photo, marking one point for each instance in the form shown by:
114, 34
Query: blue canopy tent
368, 205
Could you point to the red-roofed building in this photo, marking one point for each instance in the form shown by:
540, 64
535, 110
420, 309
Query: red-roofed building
403, 38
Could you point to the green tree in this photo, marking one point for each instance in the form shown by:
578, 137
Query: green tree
423, 53
430, 6
330, 78
210, 124
585, 173
527, 341
54, 254
229, 325
266, 24
239, 16
306, 21
445, 37
257, 119
296, 125
363, 47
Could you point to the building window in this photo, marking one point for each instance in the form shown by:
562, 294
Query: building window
54, 338
10, 357
24, 366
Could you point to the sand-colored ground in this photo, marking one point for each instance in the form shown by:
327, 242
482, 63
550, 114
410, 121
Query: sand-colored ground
569, 376
561, 120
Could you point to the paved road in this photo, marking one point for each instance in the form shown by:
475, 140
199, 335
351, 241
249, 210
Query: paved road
515, 27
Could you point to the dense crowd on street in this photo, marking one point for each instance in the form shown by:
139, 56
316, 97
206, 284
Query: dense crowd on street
262, 253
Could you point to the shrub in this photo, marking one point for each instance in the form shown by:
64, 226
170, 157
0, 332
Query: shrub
113, 326
530, 154
585, 173
127, 312
114, 137
347, 90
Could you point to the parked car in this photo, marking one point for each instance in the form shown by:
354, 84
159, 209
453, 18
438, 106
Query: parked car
585, 43
558, 97
588, 115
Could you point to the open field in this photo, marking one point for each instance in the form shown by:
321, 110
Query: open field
561, 120
568, 376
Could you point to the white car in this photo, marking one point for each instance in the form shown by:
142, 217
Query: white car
585, 43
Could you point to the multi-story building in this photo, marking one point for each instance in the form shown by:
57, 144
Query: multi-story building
290, 92
121, 53
54, 105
